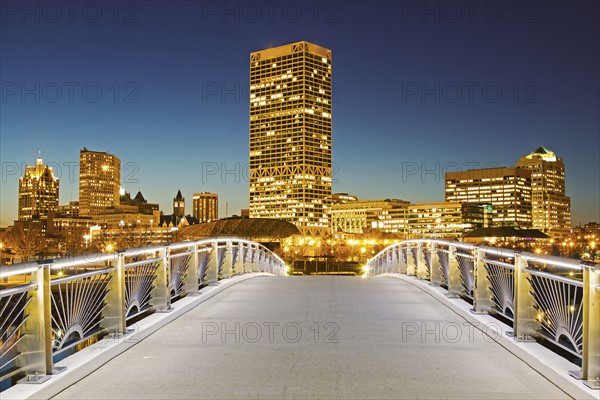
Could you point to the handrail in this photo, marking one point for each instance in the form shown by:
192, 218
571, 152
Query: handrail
497, 251
101, 293
541, 303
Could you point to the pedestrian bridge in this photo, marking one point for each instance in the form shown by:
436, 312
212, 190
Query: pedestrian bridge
219, 318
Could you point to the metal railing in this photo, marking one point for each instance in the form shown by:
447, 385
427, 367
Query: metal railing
544, 297
51, 309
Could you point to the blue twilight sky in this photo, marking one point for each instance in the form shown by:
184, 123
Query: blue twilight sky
419, 88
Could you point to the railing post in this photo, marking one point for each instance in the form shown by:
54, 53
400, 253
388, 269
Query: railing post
411, 264
266, 262
212, 270
113, 315
401, 260
435, 270
274, 263
248, 256
238, 266
590, 363
394, 258
422, 272
161, 296
524, 319
388, 260
247, 259
36, 346
482, 294
271, 264
227, 264
282, 268
455, 288
263, 261
190, 285
256, 259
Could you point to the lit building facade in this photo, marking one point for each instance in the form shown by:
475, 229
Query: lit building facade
132, 236
128, 215
290, 136
99, 182
38, 192
206, 206
62, 226
341, 198
551, 208
446, 220
508, 190
368, 216
70, 210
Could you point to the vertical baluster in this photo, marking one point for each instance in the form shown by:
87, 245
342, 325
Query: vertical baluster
590, 363
524, 324
227, 264
238, 266
411, 264
191, 282
212, 270
435, 271
113, 315
455, 288
161, 296
36, 346
422, 272
401, 260
482, 294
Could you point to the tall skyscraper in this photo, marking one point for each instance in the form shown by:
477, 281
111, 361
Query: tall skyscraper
179, 205
206, 206
99, 182
290, 135
551, 208
38, 192
508, 190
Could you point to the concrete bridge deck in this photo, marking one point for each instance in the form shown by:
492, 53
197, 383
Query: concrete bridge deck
359, 339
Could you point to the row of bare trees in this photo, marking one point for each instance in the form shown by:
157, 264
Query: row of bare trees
28, 242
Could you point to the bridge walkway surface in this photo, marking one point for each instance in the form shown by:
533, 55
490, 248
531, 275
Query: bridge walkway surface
320, 337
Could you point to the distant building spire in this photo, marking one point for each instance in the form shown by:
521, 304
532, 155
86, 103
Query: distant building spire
178, 205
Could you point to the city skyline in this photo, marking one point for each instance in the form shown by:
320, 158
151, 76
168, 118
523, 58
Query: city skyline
187, 124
